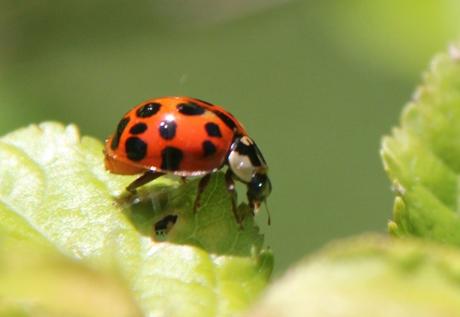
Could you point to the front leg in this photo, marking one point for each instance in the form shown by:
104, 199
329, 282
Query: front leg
145, 178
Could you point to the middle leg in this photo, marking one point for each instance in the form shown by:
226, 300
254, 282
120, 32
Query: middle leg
204, 181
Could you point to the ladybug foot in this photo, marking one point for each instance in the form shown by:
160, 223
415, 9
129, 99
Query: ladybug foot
240, 226
196, 205
238, 218
131, 191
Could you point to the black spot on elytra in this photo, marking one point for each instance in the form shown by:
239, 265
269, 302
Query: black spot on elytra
120, 128
138, 128
208, 148
213, 130
148, 110
136, 149
205, 102
168, 129
229, 122
171, 158
190, 109
251, 151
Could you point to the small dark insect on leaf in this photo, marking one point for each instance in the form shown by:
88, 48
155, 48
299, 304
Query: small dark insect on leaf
163, 226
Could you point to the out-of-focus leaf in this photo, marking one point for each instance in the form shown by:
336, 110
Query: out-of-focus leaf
369, 276
395, 36
422, 157
36, 280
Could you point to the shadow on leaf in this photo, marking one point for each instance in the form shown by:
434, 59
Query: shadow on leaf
165, 214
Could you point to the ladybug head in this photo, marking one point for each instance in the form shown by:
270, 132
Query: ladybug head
248, 165
258, 190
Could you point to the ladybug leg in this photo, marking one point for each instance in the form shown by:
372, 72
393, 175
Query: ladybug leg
204, 181
231, 189
147, 177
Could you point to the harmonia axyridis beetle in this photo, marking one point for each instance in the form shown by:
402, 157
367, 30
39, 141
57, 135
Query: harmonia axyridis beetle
187, 137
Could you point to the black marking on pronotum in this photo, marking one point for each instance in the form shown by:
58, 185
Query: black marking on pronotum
148, 110
226, 119
136, 149
167, 129
190, 109
250, 151
213, 130
171, 158
138, 128
259, 153
208, 148
120, 128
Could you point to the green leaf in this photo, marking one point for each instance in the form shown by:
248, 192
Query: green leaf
36, 280
54, 187
422, 157
369, 276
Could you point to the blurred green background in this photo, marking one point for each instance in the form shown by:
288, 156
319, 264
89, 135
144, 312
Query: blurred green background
316, 84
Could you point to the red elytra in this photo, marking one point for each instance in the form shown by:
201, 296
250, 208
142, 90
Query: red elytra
189, 135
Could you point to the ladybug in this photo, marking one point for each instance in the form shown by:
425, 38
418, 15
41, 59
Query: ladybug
187, 137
